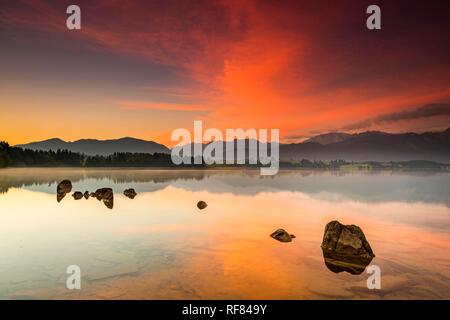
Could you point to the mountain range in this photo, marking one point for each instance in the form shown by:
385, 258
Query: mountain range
99, 147
373, 146
365, 146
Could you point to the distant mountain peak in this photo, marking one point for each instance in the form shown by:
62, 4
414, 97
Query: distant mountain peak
374, 132
330, 137
372, 146
84, 140
53, 140
130, 139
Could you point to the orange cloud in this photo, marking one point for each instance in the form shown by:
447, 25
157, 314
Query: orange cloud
141, 105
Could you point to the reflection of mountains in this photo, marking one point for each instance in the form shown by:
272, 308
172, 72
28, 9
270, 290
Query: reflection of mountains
44, 179
406, 186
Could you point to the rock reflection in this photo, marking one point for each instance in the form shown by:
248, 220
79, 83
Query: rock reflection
425, 186
60, 196
345, 248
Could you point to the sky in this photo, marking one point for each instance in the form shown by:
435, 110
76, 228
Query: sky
145, 68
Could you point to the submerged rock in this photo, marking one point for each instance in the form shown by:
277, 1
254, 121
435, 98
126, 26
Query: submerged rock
77, 195
201, 205
86, 195
63, 188
282, 235
130, 193
107, 195
345, 248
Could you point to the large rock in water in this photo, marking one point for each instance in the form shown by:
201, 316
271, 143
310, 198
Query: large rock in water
282, 235
104, 193
63, 188
345, 248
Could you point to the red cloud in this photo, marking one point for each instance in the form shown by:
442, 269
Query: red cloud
298, 66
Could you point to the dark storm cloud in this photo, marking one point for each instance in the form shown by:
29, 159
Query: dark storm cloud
426, 111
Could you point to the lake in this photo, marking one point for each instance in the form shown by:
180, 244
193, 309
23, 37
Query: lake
159, 245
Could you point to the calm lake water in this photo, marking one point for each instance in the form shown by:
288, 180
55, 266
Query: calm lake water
159, 245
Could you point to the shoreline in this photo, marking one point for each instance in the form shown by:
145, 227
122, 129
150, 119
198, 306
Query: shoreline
236, 169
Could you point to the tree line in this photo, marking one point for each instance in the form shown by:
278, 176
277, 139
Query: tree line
18, 157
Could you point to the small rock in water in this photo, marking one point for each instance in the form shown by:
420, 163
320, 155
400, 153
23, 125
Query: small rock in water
86, 195
201, 205
107, 195
77, 195
92, 195
62, 189
130, 193
282, 235
64, 186
104, 193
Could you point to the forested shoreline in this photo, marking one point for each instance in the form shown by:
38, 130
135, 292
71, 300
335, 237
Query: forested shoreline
18, 157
